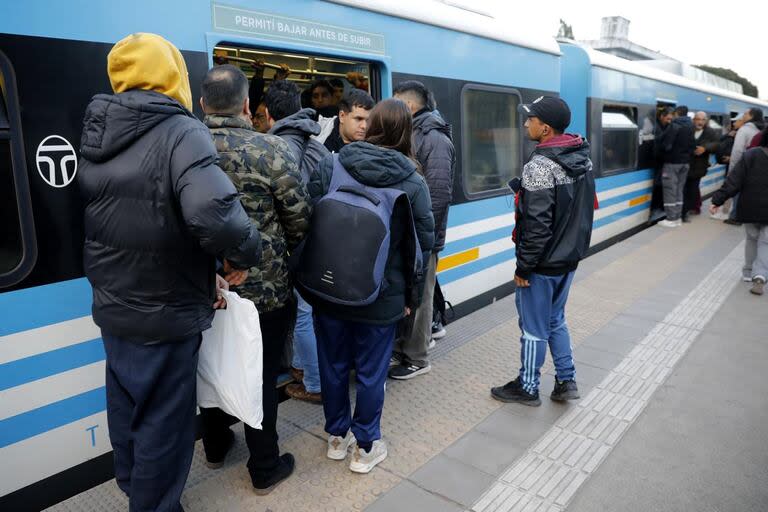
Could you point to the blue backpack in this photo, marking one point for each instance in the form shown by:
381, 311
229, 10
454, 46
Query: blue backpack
345, 253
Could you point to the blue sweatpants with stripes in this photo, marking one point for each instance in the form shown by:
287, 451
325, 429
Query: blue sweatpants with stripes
541, 316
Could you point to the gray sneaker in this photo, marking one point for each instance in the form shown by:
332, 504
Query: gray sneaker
758, 286
566, 390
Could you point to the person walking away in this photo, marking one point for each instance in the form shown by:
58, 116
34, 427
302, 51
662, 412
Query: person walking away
296, 126
360, 337
707, 143
351, 123
749, 178
676, 147
751, 124
158, 213
435, 153
266, 174
724, 157
555, 209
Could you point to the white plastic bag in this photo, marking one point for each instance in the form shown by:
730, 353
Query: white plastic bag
229, 370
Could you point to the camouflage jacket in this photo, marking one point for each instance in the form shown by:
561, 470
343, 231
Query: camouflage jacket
264, 171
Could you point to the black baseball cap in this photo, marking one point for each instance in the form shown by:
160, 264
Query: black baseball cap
550, 109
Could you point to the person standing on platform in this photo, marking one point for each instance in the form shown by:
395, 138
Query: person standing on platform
749, 178
265, 172
751, 124
675, 145
707, 143
555, 208
158, 214
435, 153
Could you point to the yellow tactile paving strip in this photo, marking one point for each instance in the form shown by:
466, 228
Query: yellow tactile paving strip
424, 416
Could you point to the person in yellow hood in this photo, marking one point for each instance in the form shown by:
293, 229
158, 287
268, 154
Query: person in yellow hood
158, 214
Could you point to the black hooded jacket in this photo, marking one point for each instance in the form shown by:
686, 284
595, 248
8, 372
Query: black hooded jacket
555, 208
433, 146
675, 143
297, 130
380, 167
158, 212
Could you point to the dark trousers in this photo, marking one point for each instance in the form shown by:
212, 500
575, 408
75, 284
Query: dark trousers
341, 347
151, 399
262, 444
691, 195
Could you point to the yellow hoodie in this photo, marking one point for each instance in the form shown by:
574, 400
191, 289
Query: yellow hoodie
149, 62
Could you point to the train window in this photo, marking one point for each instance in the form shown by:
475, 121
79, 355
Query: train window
11, 250
716, 123
263, 66
620, 137
491, 142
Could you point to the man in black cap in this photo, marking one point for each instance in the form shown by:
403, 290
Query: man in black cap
555, 206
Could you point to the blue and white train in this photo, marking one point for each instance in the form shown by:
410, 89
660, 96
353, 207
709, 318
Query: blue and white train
53, 435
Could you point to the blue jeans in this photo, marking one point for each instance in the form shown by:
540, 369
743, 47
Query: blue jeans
342, 347
541, 316
151, 400
305, 346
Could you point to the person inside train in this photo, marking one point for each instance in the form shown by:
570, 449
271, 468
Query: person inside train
360, 337
338, 90
275, 197
707, 143
256, 93
433, 148
296, 126
351, 123
321, 98
555, 210
749, 179
752, 123
675, 146
158, 213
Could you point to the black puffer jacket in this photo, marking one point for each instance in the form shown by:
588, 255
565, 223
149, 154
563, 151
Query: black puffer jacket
709, 140
749, 179
297, 130
675, 144
158, 213
434, 150
555, 208
380, 167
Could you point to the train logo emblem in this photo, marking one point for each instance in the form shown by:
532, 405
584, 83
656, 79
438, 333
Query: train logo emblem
56, 161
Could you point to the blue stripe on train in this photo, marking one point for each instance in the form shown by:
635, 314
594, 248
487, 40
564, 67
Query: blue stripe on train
481, 209
479, 239
448, 276
44, 305
620, 215
50, 363
43, 419
605, 203
622, 180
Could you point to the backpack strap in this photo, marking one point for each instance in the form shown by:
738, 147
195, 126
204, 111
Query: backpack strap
340, 176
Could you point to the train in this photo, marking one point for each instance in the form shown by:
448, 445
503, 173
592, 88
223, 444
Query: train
53, 425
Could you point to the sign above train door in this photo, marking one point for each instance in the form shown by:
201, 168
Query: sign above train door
261, 24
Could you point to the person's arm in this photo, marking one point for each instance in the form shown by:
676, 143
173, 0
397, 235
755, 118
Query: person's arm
438, 171
210, 204
739, 146
732, 184
292, 201
424, 224
712, 142
536, 217
256, 87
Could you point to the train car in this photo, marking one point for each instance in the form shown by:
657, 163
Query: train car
53, 428
615, 103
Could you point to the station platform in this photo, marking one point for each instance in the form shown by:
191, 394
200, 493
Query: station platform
671, 352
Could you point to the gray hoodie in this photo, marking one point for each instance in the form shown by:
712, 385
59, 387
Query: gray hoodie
297, 130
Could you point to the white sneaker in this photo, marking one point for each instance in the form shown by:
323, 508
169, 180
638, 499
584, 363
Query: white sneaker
718, 216
339, 446
431, 343
746, 279
364, 462
669, 223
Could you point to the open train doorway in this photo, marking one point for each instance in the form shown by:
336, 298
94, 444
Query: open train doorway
322, 80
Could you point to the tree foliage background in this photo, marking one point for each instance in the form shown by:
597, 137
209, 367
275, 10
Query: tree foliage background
749, 88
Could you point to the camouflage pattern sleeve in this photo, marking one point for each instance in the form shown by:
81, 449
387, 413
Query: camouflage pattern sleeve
292, 202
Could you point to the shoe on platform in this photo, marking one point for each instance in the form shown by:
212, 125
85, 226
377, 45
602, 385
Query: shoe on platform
405, 371
216, 460
718, 216
746, 279
296, 374
297, 391
396, 358
279, 475
758, 286
432, 343
669, 223
565, 390
438, 330
339, 446
686, 220
513, 392
732, 222
364, 462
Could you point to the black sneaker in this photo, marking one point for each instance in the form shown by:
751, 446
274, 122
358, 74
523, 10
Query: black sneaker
566, 390
282, 472
405, 371
513, 392
214, 458
438, 331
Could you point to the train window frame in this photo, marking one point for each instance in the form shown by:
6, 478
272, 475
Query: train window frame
465, 139
12, 133
630, 113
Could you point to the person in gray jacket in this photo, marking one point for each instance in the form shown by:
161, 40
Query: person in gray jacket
751, 124
435, 153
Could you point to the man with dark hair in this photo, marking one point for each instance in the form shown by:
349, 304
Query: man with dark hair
297, 126
351, 123
338, 89
434, 150
675, 145
265, 172
554, 213
321, 97
158, 214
